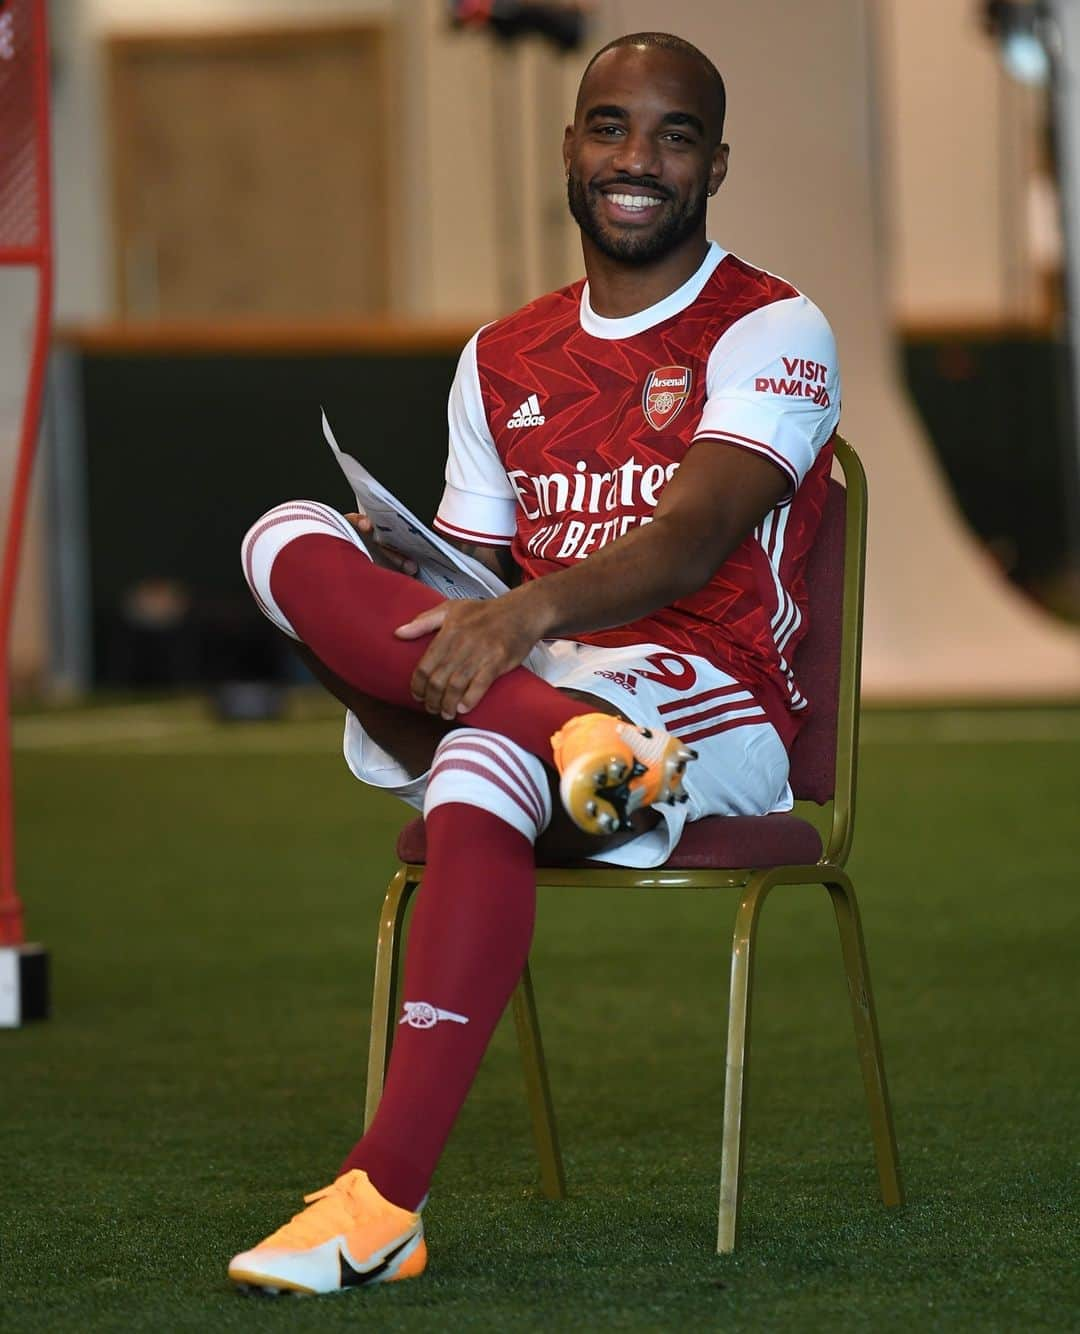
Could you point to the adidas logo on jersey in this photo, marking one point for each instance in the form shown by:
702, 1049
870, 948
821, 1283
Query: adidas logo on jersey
528, 414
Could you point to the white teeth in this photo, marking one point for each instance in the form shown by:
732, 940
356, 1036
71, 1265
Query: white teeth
634, 201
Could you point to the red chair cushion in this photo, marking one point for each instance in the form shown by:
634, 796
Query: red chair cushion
717, 842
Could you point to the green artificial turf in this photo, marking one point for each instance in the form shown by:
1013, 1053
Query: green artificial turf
209, 898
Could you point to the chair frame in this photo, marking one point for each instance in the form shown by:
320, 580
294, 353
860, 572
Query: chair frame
755, 885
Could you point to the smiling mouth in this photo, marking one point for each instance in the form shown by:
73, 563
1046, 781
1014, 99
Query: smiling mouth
634, 202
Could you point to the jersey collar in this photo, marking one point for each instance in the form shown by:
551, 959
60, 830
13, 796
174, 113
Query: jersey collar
628, 325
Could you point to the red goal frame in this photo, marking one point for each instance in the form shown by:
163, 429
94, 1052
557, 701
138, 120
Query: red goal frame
25, 241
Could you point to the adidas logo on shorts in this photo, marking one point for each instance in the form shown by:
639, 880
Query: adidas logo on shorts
627, 680
528, 414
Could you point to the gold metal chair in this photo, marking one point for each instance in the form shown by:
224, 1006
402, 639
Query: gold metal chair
751, 854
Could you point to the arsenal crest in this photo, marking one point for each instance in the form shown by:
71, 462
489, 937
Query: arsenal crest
666, 389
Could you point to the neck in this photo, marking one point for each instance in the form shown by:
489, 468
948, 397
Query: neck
618, 289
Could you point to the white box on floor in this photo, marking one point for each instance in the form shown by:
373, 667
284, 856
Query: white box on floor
24, 984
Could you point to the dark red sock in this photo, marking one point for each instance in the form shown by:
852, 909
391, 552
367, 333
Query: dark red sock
346, 609
468, 942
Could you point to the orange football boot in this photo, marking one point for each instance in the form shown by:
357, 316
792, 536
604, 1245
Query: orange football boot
609, 768
347, 1237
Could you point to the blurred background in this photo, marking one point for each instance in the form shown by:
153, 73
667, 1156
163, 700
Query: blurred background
264, 206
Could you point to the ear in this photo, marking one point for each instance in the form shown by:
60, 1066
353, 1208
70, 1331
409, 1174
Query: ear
567, 147
719, 167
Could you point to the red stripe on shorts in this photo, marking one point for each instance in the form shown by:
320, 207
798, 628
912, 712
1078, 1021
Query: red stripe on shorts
692, 701
690, 737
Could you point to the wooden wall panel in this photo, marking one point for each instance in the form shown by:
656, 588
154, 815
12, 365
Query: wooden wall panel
250, 173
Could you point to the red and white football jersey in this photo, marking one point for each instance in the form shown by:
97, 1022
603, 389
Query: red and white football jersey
565, 427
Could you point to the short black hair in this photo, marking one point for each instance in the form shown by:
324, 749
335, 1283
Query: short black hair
666, 41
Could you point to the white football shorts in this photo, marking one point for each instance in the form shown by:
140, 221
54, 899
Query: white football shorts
741, 769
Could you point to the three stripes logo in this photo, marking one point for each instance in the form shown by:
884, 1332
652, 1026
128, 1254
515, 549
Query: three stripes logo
627, 680
528, 414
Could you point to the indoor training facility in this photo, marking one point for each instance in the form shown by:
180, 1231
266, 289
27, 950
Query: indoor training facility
229, 228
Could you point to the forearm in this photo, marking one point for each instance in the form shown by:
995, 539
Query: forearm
706, 511
498, 560
647, 568
708, 508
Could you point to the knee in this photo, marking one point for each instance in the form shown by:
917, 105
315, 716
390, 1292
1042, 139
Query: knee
270, 534
487, 769
293, 519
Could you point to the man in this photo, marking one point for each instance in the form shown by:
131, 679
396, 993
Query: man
648, 452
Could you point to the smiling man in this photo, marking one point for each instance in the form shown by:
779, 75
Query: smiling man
644, 456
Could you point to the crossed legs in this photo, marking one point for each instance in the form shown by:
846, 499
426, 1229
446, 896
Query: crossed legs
489, 800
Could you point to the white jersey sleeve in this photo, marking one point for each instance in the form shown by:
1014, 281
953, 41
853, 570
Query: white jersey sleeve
478, 504
773, 385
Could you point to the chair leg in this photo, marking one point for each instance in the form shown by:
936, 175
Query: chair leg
384, 998
743, 947
867, 1039
545, 1134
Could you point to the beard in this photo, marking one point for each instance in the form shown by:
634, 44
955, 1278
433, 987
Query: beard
633, 247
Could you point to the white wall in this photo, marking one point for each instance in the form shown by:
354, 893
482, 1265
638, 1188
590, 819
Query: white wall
959, 138
953, 135
946, 114
941, 85
483, 192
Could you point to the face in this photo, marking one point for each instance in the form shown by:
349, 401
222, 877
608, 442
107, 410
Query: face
642, 156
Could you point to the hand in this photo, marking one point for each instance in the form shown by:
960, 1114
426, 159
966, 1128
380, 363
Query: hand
388, 556
475, 643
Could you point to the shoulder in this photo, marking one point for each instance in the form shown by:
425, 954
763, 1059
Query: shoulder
747, 298
743, 306
545, 317
742, 283
760, 315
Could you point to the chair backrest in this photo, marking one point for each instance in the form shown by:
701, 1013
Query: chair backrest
827, 661
817, 659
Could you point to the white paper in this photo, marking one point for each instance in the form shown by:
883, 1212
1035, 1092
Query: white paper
439, 565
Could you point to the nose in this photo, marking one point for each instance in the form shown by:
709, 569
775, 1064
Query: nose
637, 155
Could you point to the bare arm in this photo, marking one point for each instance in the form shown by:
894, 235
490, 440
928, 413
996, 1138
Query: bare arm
712, 503
707, 509
497, 559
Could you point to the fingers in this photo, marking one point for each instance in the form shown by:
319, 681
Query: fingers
476, 691
395, 559
474, 644
424, 624
457, 667
451, 691
429, 680
440, 678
